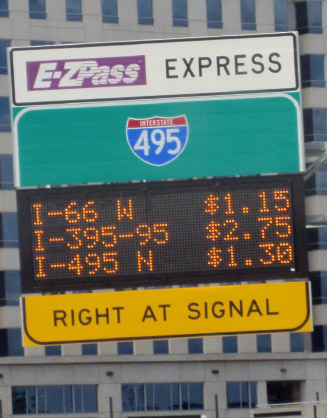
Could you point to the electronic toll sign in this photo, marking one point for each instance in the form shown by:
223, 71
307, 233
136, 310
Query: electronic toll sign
162, 233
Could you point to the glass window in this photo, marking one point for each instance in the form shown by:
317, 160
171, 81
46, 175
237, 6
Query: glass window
53, 350
19, 401
241, 394
74, 10
317, 237
6, 171
214, 16
41, 43
4, 44
319, 338
10, 289
89, 349
313, 70
195, 345
125, 348
8, 230
162, 396
315, 126
319, 287
297, 342
308, 17
264, 343
11, 342
109, 11
281, 16
317, 185
4, 115
54, 399
230, 344
37, 9
4, 12
144, 12
160, 347
248, 15
180, 14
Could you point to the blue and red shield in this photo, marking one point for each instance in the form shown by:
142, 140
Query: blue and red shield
158, 140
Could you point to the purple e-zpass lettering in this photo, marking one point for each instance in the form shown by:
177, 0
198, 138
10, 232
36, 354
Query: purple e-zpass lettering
86, 73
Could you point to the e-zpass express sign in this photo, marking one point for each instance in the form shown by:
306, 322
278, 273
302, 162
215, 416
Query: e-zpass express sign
152, 69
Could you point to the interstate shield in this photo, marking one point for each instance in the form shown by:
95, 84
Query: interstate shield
158, 140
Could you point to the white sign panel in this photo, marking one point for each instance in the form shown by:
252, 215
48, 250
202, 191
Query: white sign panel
155, 69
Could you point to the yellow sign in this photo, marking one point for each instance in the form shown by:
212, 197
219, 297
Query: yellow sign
166, 313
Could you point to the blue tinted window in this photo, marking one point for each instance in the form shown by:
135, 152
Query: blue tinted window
248, 14
109, 11
74, 10
313, 70
41, 43
6, 172
241, 394
125, 348
281, 15
30, 396
319, 287
162, 396
8, 230
264, 343
308, 17
195, 345
195, 393
144, 12
160, 347
89, 349
11, 342
37, 9
297, 342
319, 338
53, 350
317, 237
10, 289
4, 115
230, 344
19, 401
180, 14
4, 44
128, 397
4, 12
315, 126
317, 185
214, 17
54, 399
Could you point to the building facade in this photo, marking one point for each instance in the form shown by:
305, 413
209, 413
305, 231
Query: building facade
217, 377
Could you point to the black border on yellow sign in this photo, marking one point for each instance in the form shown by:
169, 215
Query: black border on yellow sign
267, 331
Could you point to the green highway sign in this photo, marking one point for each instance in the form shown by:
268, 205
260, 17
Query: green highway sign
158, 139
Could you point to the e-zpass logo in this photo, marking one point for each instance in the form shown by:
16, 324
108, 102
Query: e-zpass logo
87, 73
158, 140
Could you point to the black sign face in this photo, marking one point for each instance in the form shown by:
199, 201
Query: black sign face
162, 233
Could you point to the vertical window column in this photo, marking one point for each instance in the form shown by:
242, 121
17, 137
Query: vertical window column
37, 9
4, 44
144, 12
109, 11
4, 12
281, 15
248, 15
214, 16
180, 13
74, 10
